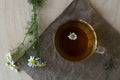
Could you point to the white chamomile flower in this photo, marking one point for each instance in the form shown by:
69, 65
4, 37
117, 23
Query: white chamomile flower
72, 36
32, 61
9, 57
12, 66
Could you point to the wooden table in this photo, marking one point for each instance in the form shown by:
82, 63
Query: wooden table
14, 15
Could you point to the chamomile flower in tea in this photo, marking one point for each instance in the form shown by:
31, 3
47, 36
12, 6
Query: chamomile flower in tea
72, 36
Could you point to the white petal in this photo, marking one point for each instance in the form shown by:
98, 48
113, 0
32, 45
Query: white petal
37, 58
28, 59
30, 56
33, 57
29, 64
32, 66
12, 62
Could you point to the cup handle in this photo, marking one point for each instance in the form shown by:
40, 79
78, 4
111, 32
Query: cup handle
100, 49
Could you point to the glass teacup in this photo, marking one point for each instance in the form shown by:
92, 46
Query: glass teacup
76, 40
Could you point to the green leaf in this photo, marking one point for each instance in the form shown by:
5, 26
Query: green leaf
39, 3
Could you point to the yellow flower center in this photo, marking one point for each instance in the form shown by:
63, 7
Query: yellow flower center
33, 61
11, 65
72, 36
8, 57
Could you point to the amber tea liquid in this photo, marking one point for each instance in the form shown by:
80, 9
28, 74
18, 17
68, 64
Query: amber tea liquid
74, 50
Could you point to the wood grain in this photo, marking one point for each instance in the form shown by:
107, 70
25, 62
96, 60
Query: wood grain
110, 10
14, 15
